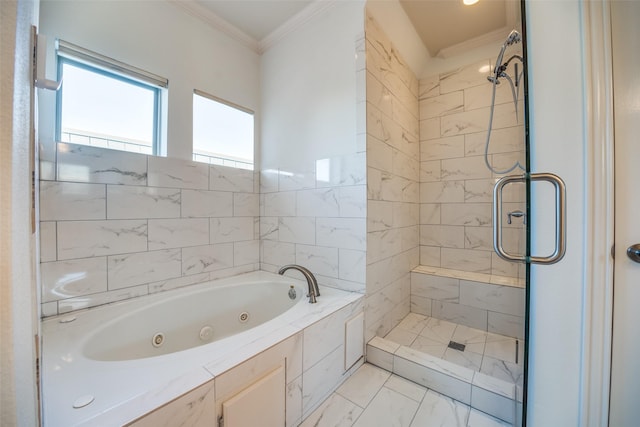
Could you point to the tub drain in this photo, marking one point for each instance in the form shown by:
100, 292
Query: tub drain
244, 316
158, 339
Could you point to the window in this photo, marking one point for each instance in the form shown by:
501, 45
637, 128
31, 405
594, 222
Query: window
105, 103
222, 132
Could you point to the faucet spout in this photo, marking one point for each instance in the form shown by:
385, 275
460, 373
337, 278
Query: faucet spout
312, 283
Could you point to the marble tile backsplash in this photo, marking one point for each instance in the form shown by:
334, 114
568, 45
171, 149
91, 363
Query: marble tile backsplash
116, 225
455, 184
393, 182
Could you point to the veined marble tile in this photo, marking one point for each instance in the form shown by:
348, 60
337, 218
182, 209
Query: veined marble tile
298, 229
445, 192
128, 202
223, 178
479, 191
230, 230
442, 105
437, 410
80, 163
378, 94
200, 259
379, 154
177, 173
420, 305
430, 255
464, 168
277, 253
465, 77
383, 244
293, 409
502, 299
352, 265
505, 324
246, 204
66, 279
345, 233
318, 259
470, 214
49, 309
280, 204
430, 213
363, 385
48, 251
429, 87
442, 148
413, 323
345, 285
494, 404
474, 339
144, 267
269, 228
379, 215
480, 238
93, 300
505, 140
466, 259
469, 122
466, 358
434, 287
388, 408
323, 337
177, 233
480, 419
430, 171
296, 180
336, 411
456, 313
406, 388
341, 170
506, 371
406, 166
71, 201
480, 96
320, 379
502, 162
81, 239
178, 282
429, 128
352, 201
401, 336
447, 236
322, 202
204, 203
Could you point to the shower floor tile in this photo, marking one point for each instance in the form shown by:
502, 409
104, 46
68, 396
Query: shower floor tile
489, 353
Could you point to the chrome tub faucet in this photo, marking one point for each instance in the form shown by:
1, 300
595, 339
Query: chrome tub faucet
312, 283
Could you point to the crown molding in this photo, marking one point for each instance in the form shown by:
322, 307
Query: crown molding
296, 21
208, 17
494, 36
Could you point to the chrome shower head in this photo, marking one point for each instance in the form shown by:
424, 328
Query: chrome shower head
513, 38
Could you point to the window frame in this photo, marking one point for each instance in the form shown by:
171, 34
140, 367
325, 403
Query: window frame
67, 53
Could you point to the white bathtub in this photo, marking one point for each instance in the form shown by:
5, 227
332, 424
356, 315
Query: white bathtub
107, 355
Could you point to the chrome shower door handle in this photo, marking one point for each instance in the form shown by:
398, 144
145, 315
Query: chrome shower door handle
561, 218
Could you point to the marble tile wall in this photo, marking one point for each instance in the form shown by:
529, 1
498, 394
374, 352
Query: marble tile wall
455, 184
393, 177
318, 220
116, 225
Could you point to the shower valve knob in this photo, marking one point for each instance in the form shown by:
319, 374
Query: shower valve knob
633, 252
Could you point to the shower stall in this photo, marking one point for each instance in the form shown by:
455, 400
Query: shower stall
438, 147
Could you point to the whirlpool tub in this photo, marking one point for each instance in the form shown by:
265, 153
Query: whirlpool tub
112, 364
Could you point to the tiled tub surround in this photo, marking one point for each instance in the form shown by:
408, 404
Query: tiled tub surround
117, 225
487, 375
455, 184
393, 162
310, 341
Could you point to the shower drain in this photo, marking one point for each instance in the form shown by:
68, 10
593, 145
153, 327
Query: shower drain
243, 317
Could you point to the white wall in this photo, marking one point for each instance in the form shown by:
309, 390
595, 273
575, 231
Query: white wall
557, 145
309, 91
160, 38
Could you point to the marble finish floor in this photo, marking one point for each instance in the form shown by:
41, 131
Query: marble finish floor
373, 397
492, 354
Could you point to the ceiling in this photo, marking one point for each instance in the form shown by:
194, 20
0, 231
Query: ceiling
441, 24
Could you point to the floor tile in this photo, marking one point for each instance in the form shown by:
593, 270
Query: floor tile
336, 411
429, 346
401, 336
501, 347
438, 410
363, 385
413, 322
506, 371
439, 330
389, 409
406, 388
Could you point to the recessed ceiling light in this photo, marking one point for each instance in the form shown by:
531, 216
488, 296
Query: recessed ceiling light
469, 2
